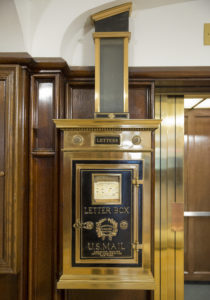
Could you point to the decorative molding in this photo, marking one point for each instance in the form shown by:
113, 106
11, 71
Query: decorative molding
163, 75
112, 11
104, 124
113, 34
112, 129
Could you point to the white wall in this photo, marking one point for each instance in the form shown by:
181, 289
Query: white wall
164, 32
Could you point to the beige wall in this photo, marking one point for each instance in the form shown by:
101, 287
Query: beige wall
164, 32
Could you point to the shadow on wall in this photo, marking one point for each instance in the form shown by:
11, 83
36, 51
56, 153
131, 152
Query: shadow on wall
77, 46
11, 34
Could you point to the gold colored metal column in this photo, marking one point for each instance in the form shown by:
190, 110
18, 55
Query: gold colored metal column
169, 240
180, 195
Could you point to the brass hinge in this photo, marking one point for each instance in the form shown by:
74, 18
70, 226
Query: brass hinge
136, 246
137, 182
2, 174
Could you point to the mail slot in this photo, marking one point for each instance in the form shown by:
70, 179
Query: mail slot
106, 196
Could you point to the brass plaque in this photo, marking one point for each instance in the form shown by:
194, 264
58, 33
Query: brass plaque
107, 140
177, 215
106, 189
207, 34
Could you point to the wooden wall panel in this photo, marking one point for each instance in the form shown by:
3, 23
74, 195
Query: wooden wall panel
80, 100
141, 100
2, 164
82, 103
44, 137
107, 295
197, 190
47, 103
13, 181
42, 252
8, 259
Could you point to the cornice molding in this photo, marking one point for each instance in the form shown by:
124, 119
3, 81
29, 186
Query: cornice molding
112, 12
41, 64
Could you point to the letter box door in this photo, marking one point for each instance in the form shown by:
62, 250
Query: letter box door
107, 213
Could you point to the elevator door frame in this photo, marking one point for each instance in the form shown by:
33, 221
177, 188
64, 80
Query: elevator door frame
169, 198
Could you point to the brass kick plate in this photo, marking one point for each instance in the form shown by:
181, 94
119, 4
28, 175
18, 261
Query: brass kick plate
177, 216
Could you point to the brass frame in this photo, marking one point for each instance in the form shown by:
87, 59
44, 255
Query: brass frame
97, 36
169, 154
106, 125
135, 223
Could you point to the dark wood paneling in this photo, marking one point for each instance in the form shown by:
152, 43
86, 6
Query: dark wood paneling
197, 190
201, 249
2, 164
47, 103
80, 99
9, 288
107, 295
140, 99
13, 189
15, 58
82, 103
42, 244
43, 114
8, 258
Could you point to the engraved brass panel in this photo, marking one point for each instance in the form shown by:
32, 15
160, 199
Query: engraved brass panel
107, 218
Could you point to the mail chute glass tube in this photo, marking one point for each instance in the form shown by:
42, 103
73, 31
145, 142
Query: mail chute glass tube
111, 74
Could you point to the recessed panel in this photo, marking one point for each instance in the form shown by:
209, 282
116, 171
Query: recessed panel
112, 75
108, 214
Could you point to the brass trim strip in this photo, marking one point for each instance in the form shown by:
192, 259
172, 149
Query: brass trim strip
125, 76
197, 214
127, 124
114, 34
179, 236
106, 150
97, 75
112, 115
157, 218
146, 282
100, 129
112, 11
43, 153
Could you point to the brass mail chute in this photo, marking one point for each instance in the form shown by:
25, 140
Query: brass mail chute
106, 176
106, 196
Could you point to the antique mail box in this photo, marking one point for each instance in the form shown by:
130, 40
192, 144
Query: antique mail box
106, 204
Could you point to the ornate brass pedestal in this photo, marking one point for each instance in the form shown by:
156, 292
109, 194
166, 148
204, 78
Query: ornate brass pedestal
106, 199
